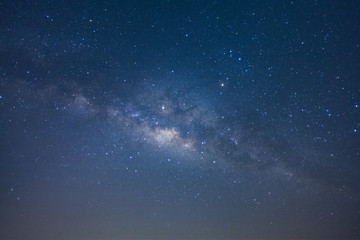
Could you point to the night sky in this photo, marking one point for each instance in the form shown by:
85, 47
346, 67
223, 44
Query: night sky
179, 119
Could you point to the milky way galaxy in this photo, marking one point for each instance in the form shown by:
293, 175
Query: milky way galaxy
179, 120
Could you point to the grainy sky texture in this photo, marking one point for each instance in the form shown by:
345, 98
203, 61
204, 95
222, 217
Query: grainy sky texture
179, 119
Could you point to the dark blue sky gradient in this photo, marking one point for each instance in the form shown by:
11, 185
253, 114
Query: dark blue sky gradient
179, 119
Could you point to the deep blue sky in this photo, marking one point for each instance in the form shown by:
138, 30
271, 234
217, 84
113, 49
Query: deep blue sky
179, 119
